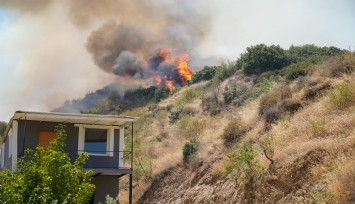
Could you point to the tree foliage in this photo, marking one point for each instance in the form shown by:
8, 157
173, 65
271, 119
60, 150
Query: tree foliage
299, 53
206, 73
2, 128
47, 176
261, 58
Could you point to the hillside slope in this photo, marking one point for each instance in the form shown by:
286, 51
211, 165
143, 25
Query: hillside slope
273, 138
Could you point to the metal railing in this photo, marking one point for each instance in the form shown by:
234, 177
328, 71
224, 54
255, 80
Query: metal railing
101, 159
104, 159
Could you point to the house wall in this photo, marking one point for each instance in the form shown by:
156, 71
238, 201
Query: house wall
28, 138
105, 185
6, 159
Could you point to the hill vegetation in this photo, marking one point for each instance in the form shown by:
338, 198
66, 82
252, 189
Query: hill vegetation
275, 126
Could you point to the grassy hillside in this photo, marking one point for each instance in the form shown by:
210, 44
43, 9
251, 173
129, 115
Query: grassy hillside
280, 136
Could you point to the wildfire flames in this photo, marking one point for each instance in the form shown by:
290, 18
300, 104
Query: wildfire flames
171, 71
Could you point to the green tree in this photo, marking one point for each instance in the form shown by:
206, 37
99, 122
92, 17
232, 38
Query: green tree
261, 58
47, 176
2, 128
206, 73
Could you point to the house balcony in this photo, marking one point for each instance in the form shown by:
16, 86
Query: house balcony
106, 162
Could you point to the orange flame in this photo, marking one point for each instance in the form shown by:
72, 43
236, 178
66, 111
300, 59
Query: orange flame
180, 65
170, 84
157, 79
183, 68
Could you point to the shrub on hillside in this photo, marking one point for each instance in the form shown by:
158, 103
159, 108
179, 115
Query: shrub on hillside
191, 127
174, 115
188, 95
206, 73
160, 94
341, 96
233, 132
263, 84
299, 53
275, 103
261, 58
189, 149
300, 68
224, 71
230, 93
245, 170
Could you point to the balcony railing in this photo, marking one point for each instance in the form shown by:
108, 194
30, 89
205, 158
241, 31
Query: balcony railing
103, 159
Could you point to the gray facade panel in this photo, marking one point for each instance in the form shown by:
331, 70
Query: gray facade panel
7, 160
105, 185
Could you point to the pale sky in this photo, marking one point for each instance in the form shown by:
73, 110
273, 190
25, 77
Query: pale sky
43, 59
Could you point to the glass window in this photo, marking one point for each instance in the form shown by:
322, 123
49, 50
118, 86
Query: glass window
95, 141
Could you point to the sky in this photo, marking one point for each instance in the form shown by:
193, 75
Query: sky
45, 60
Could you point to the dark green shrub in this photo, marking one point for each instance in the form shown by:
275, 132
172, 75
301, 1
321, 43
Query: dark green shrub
160, 94
206, 73
224, 71
189, 149
300, 53
230, 93
261, 58
264, 84
174, 115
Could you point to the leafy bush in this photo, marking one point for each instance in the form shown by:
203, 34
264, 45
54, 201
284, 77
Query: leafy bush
48, 176
188, 95
233, 132
191, 127
300, 53
230, 93
91, 111
206, 73
341, 96
245, 170
160, 94
275, 103
261, 58
267, 145
264, 84
224, 71
174, 115
300, 68
189, 149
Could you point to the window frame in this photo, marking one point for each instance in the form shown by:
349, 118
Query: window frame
110, 139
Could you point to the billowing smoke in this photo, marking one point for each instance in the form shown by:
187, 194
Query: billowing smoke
60, 50
129, 34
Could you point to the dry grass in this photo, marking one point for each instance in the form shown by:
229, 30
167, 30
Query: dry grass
342, 181
314, 126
